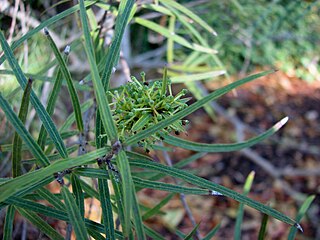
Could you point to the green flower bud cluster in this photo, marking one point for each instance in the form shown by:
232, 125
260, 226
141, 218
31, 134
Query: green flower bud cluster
141, 104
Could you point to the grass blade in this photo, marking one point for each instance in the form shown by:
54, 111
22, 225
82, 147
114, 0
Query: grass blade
17, 141
67, 76
8, 223
24, 134
51, 198
74, 214
302, 211
197, 76
203, 147
246, 190
188, 177
43, 115
40, 223
216, 94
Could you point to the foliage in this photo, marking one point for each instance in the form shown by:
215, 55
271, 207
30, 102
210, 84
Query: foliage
136, 112
284, 34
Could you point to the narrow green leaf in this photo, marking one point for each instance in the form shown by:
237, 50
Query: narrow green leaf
43, 115
190, 235
17, 141
64, 135
216, 94
67, 76
170, 42
102, 101
157, 208
153, 234
68, 122
127, 187
166, 33
40, 223
197, 76
106, 206
143, 183
188, 177
203, 147
8, 223
19, 184
137, 219
263, 228
302, 211
190, 14
125, 8
74, 214
51, 198
38, 208
45, 23
23, 132
210, 235
77, 191
50, 106
240, 213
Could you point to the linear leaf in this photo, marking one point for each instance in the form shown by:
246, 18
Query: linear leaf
240, 213
77, 191
8, 223
212, 232
212, 96
74, 214
127, 186
153, 234
17, 141
51, 198
263, 227
23, 182
188, 177
64, 135
190, 14
157, 208
102, 101
197, 76
68, 122
23, 132
137, 219
43, 115
40, 223
50, 106
165, 32
193, 232
203, 147
106, 206
125, 8
67, 75
302, 211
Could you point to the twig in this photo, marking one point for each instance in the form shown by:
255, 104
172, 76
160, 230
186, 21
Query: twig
14, 20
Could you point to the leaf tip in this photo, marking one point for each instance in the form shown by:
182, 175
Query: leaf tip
67, 50
281, 123
46, 31
298, 226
